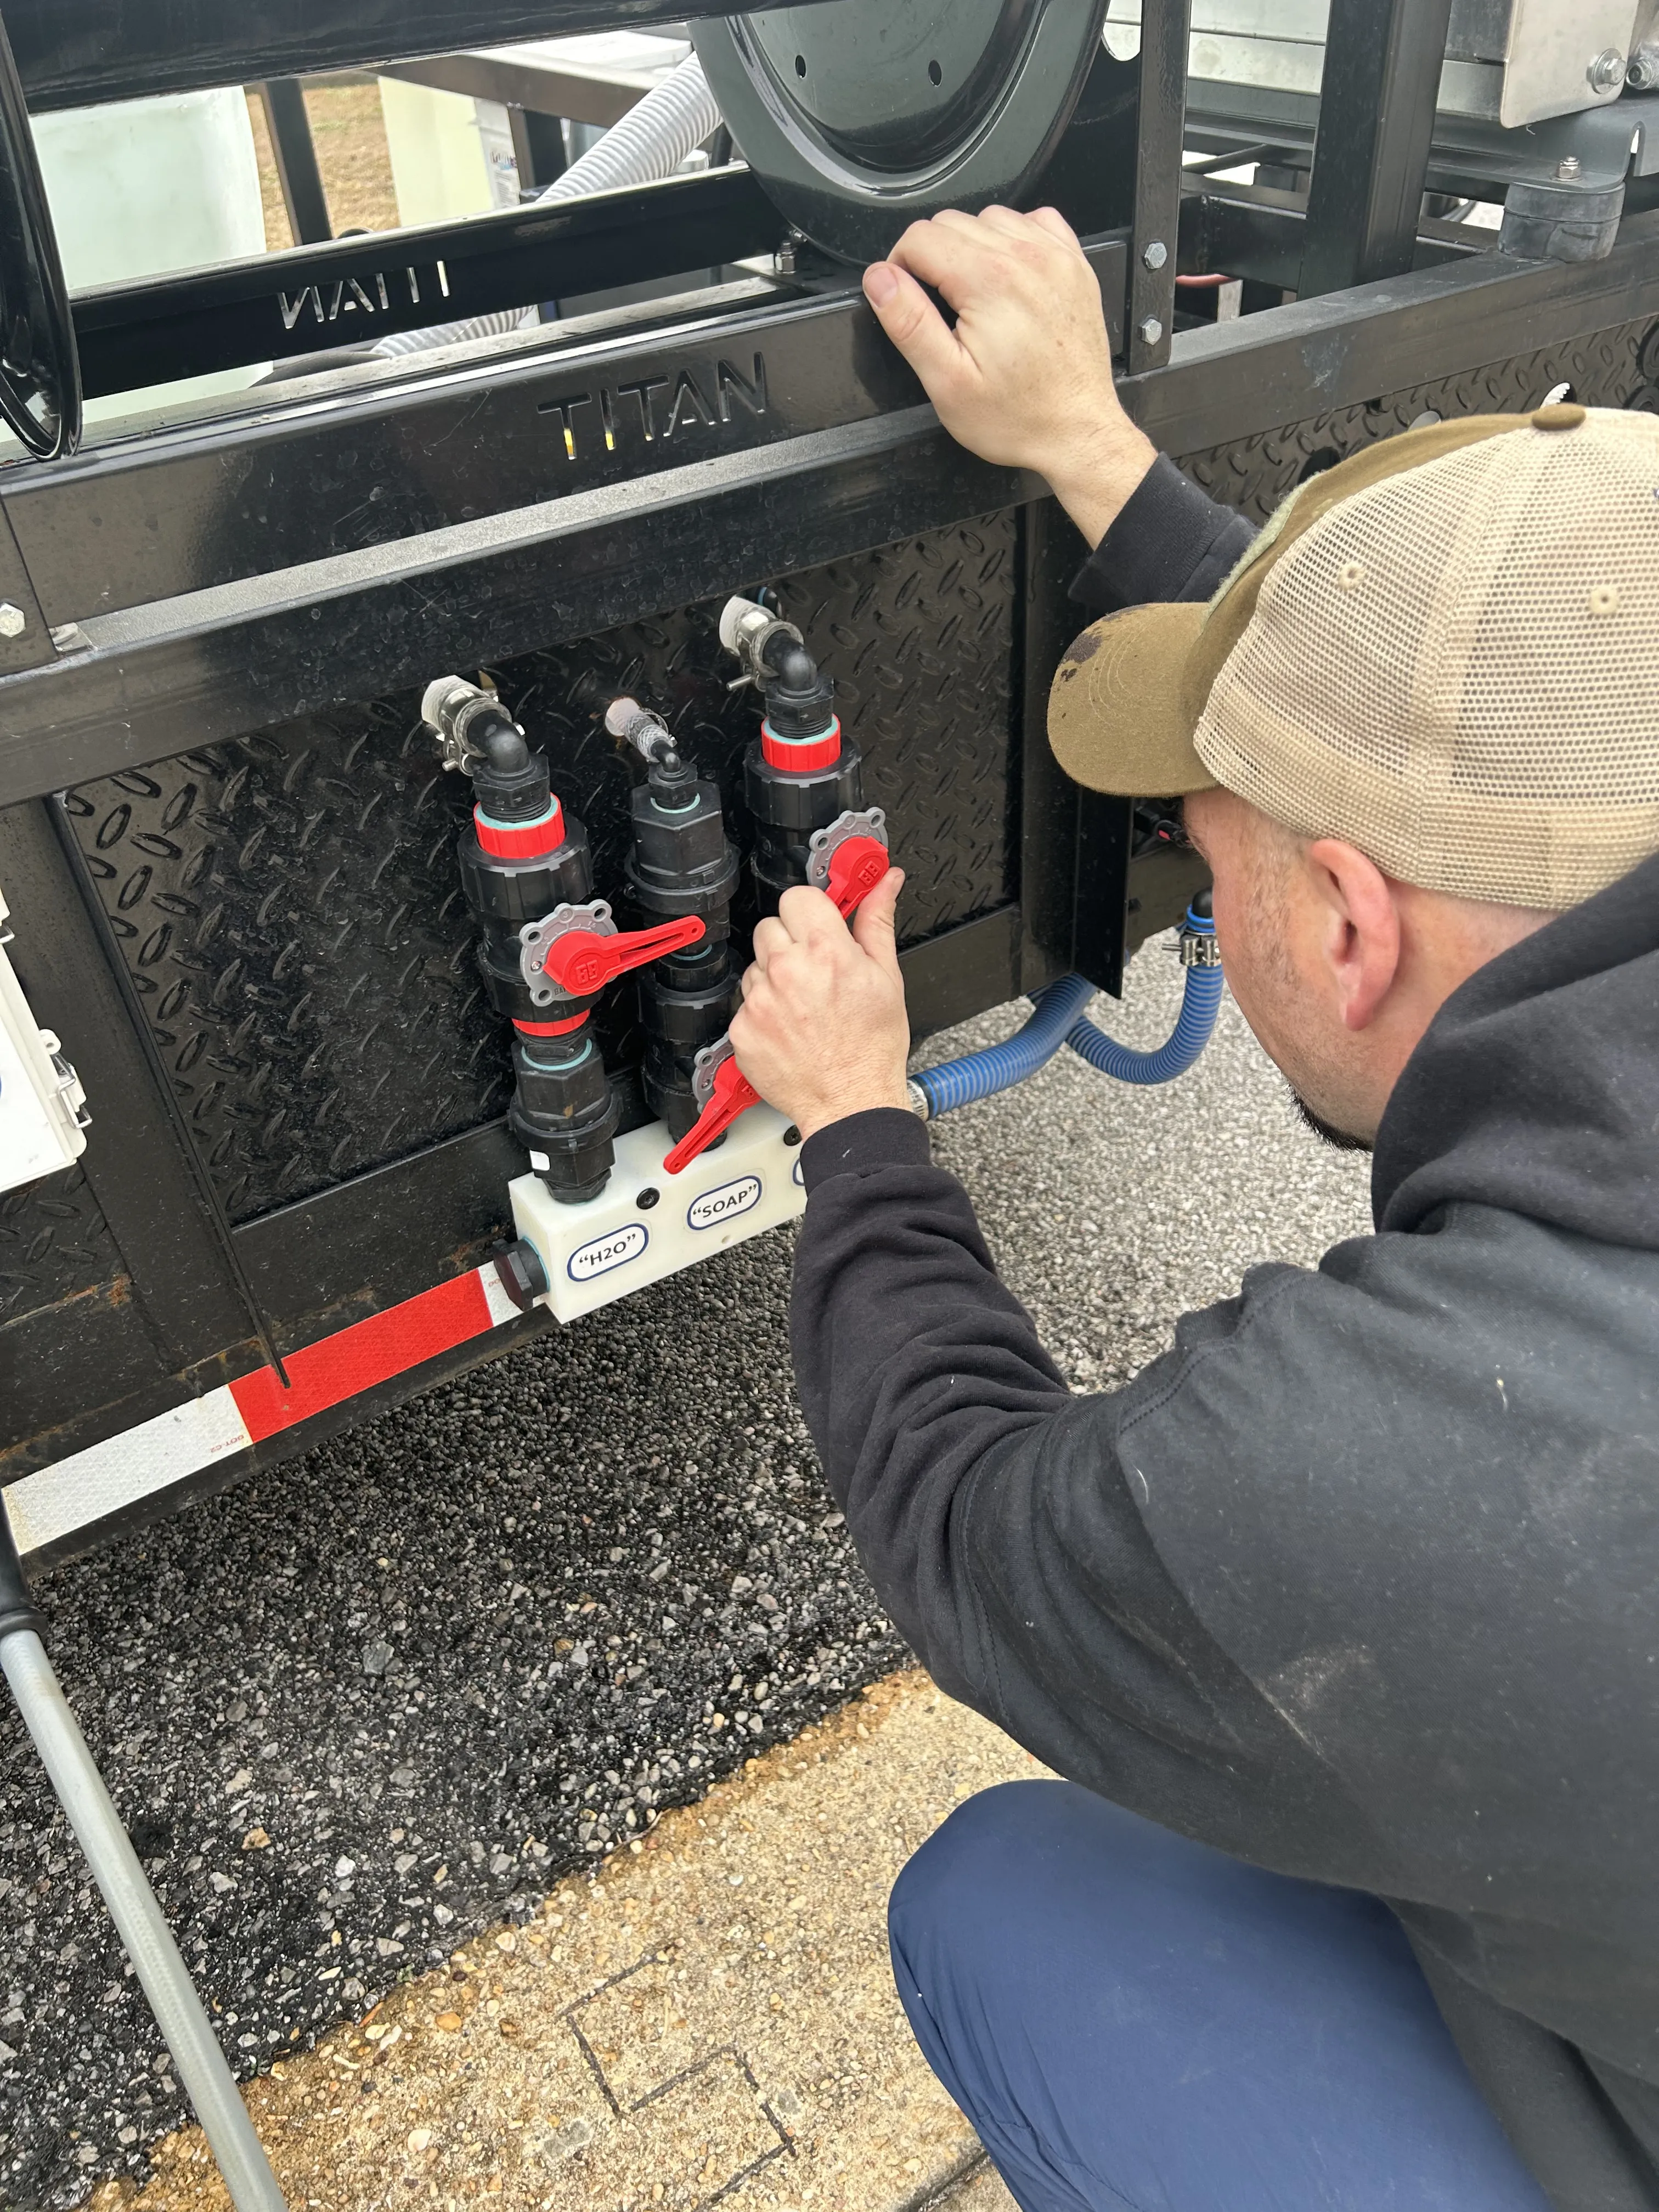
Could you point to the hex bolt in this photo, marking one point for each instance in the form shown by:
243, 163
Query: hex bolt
1606, 71
1150, 331
1568, 167
1156, 254
1643, 74
13, 621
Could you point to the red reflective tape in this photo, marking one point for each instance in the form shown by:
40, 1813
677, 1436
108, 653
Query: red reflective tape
550, 1028
369, 1352
800, 755
521, 841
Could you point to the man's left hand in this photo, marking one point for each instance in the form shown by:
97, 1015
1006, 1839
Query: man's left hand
822, 1031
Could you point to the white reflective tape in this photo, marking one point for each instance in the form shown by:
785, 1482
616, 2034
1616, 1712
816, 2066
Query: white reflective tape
91, 1485
502, 1308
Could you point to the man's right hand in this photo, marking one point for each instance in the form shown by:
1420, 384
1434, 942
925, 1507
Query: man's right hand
1025, 377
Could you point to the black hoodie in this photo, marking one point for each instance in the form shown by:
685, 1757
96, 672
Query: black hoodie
1360, 1581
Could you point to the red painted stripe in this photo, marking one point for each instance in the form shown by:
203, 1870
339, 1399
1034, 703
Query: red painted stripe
370, 1352
800, 755
550, 1028
521, 841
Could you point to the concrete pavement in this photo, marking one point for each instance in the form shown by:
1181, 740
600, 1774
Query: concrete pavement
711, 2017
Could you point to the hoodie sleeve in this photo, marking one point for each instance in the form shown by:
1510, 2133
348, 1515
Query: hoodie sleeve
991, 1508
1171, 542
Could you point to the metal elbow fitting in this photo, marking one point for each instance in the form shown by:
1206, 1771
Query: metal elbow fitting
747, 629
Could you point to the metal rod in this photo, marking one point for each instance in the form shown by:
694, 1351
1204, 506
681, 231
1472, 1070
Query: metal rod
296, 150
311, 299
1161, 127
1377, 109
139, 1920
1234, 159
183, 1134
538, 149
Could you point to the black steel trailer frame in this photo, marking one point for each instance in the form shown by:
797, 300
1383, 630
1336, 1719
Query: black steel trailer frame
226, 847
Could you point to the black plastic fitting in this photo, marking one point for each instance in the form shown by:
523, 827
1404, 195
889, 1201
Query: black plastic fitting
564, 1113
511, 781
520, 1274
787, 810
682, 863
502, 895
498, 956
508, 893
800, 698
682, 1013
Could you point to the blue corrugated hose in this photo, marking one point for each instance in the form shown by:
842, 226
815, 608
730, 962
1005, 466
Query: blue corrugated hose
1194, 1026
960, 1082
1058, 1020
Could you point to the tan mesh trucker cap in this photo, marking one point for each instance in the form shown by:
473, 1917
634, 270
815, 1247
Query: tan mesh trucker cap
1445, 651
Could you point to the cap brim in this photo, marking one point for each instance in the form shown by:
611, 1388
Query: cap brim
1118, 719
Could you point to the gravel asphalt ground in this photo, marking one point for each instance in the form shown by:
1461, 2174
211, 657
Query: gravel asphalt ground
372, 1703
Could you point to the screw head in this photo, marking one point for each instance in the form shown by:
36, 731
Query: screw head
13, 621
1150, 330
1643, 74
1156, 254
1606, 71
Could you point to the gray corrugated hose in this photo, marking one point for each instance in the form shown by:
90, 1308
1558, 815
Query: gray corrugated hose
207, 2078
650, 141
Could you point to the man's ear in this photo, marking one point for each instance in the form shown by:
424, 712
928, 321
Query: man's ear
1359, 928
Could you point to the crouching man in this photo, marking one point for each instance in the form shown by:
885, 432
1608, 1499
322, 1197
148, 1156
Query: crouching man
1341, 1619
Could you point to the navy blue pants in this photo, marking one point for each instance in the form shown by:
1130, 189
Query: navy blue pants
1128, 2018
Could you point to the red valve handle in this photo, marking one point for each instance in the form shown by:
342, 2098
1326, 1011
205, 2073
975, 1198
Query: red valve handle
855, 869
733, 1094
581, 962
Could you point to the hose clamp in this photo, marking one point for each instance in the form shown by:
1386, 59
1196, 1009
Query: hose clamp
449, 705
746, 629
1199, 948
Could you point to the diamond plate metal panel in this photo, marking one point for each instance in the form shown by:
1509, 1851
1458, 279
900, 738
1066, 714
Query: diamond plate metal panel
1617, 368
919, 639
53, 1245
288, 910
288, 905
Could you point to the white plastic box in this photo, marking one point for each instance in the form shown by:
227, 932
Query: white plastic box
40, 1099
